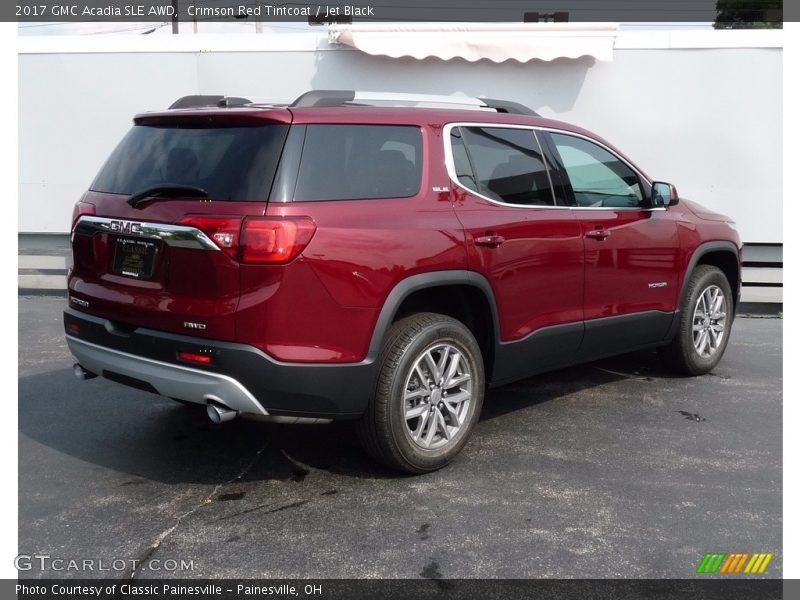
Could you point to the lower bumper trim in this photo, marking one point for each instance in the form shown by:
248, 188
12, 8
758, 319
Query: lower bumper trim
174, 381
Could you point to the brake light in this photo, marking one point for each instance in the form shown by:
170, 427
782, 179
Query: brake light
80, 209
223, 231
275, 240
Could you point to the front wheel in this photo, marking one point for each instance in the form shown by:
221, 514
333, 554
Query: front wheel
428, 395
705, 323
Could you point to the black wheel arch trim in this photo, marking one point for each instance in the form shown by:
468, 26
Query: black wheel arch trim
700, 252
404, 288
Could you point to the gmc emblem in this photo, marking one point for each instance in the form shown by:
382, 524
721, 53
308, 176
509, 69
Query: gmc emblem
126, 227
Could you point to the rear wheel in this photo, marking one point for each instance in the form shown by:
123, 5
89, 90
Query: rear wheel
428, 395
705, 323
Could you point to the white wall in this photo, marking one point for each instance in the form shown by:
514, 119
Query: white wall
707, 119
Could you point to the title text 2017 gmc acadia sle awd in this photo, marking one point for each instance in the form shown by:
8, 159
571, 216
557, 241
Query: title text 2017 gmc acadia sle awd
344, 257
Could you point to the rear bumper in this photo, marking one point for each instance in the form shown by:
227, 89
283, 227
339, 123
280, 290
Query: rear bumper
240, 376
174, 381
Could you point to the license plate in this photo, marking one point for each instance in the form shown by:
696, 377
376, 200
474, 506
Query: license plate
134, 257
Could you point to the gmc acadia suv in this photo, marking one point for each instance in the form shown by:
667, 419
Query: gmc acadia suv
347, 258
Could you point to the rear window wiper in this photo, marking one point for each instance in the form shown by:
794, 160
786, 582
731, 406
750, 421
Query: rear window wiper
167, 190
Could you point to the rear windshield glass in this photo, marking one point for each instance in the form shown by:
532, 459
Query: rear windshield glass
229, 163
352, 162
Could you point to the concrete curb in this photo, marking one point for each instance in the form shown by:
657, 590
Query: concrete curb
42, 272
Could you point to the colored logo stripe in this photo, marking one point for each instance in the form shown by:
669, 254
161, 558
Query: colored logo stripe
758, 564
722, 563
710, 563
734, 563
741, 562
728, 562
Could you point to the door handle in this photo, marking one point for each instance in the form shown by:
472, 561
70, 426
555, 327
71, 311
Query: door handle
490, 241
598, 234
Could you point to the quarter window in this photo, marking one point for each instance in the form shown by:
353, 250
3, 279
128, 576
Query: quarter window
461, 162
352, 162
598, 178
507, 164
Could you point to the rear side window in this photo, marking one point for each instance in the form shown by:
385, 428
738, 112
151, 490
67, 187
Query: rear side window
508, 165
354, 162
229, 163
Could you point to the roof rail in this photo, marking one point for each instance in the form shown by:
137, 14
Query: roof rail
507, 106
324, 98
202, 100
345, 97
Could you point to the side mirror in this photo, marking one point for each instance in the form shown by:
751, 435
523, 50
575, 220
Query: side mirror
663, 194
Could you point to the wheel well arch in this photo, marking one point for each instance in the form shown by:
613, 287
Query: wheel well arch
463, 302
462, 295
727, 262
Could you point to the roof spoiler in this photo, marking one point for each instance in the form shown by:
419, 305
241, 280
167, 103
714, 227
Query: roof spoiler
208, 100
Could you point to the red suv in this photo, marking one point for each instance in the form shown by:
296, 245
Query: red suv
340, 258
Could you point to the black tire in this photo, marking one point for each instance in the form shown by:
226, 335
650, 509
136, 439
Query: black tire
681, 356
383, 430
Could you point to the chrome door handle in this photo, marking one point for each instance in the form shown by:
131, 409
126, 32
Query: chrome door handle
490, 241
598, 234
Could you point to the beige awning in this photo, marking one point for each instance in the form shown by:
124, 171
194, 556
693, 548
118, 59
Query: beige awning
497, 42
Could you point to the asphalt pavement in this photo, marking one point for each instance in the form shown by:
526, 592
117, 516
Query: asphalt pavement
612, 469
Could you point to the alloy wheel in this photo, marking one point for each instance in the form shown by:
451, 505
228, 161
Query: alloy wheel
708, 323
437, 396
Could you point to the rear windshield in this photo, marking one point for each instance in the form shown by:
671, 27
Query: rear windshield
352, 162
229, 163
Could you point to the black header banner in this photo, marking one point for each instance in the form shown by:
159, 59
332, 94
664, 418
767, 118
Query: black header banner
734, 13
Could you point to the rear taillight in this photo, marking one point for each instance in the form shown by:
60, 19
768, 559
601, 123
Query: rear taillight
257, 240
275, 240
82, 208
223, 231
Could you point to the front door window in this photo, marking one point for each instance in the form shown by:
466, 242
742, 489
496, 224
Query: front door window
598, 178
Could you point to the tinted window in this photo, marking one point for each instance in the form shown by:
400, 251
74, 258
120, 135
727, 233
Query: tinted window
508, 165
230, 163
598, 178
351, 162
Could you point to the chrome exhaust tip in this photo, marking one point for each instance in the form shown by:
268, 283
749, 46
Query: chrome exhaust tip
82, 373
220, 414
